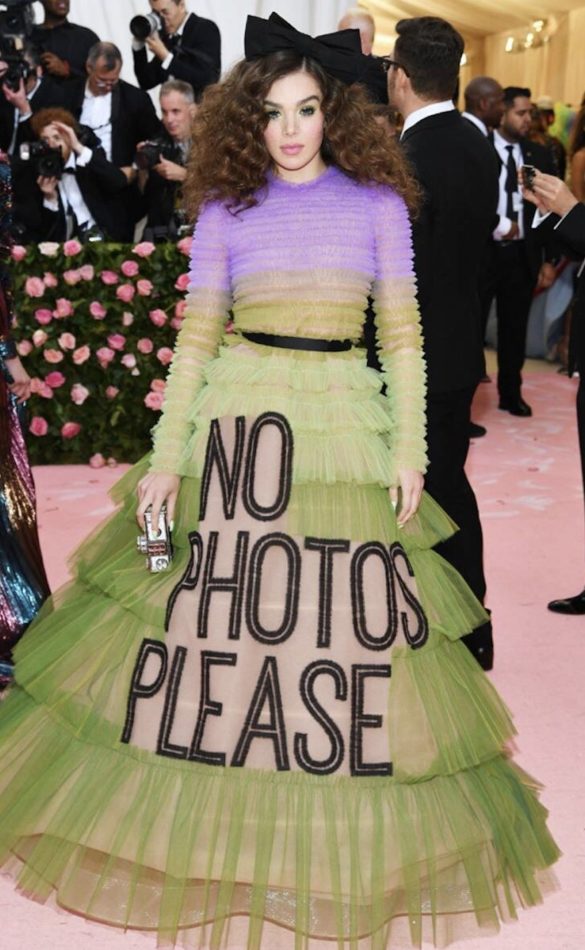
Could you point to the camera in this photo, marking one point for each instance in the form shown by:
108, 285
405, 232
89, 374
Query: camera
16, 18
152, 151
528, 174
156, 542
16, 23
48, 161
143, 26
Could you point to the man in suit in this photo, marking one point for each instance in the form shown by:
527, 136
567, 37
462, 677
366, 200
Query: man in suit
74, 201
484, 103
64, 46
18, 102
518, 262
458, 174
121, 116
565, 219
188, 47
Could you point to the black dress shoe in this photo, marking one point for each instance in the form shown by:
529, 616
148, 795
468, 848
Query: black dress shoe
475, 431
570, 605
481, 644
516, 407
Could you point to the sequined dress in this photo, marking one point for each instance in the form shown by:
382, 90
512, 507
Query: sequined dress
286, 725
23, 584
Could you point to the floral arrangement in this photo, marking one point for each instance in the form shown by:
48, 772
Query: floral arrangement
95, 329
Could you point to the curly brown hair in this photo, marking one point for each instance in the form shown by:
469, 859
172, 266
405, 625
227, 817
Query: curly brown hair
229, 160
44, 117
577, 141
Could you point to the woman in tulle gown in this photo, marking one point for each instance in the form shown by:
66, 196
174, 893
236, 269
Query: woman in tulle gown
285, 725
23, 584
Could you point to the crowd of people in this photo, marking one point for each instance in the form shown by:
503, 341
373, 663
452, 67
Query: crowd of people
287, 716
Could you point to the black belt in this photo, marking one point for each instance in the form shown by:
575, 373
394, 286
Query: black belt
298, 342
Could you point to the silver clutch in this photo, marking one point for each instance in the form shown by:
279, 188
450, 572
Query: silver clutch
156, 542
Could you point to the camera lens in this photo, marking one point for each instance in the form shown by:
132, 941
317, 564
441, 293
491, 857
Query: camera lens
142, 27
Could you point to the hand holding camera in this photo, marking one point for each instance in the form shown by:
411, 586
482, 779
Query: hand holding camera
547, 192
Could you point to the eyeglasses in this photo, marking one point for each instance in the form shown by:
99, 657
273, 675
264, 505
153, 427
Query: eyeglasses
388, 63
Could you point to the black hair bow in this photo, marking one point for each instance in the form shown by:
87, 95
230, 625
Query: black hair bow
340, 54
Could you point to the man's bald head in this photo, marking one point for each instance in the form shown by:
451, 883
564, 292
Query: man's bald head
484, 99
356, 18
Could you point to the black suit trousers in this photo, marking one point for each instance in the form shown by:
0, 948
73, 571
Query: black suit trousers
511, 281
448, 416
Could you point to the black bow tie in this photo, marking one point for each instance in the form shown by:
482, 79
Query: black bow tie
340, 54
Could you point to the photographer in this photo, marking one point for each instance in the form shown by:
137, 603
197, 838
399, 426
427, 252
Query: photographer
66, 190
25, 90
162, 163
186, 47
64, 45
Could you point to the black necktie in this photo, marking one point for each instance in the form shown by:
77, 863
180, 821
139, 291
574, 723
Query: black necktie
511, 184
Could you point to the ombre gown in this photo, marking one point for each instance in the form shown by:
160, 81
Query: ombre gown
23, 584
285, 725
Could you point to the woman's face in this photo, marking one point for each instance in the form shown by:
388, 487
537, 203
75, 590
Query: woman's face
294, 133
55, 139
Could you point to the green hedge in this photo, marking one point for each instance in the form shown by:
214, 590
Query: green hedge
95, 329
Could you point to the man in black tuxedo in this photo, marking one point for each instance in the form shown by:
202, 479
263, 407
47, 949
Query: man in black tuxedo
566, 221
121, 116
458, 174
518, 263
64, 46
76, 202
188, 47
17, 105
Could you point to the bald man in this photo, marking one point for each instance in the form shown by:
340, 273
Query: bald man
356, 18
484, 103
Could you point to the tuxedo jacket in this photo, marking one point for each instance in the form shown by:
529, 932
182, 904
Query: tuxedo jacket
101, 184
196, 57
133, 116
457, 170
68, 41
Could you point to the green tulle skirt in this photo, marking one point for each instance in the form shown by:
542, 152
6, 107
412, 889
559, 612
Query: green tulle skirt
283, 726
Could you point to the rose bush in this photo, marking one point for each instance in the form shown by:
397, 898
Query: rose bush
102, 344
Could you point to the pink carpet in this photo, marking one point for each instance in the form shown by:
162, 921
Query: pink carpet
526, 475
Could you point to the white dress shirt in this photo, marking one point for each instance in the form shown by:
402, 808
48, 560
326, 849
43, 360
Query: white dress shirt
476, 122
96, 112
505, 223
70, 192
435, 108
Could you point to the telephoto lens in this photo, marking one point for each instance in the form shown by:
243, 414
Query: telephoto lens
142, 27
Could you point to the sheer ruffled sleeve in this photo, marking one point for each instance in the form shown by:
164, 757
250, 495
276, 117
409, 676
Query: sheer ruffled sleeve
208, 303
399, 331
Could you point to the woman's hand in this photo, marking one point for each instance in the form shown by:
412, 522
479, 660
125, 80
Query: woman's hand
155, 489
20, 387
410, 484
549, 193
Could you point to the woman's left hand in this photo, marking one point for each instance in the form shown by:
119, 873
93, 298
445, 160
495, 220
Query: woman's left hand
20, 387
409, 492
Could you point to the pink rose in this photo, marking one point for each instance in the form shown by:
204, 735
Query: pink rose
130, 268
125, 292
128, 360
79, 394
63, 309
97, 460
144, 249
34, 287
176, 323
145, 345
46, 392
164, 355
71, 248
112, 462
18, 252
71, 277
43, 317
49, 279
36, 385
127, 319
158, 385
70, 429
116, 341
97, 311
158, 317
24, 347
67, 341
182, 282
180, 308
81, 355
53, 356
184, 245
112, 392
105, 356
55, 379
39, 337
154, 401
87, 272
109, 277
38, 426
144, 288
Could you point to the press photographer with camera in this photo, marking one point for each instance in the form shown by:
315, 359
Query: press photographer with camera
162, 163
25, 90
64, 46
185, 46
63, 183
